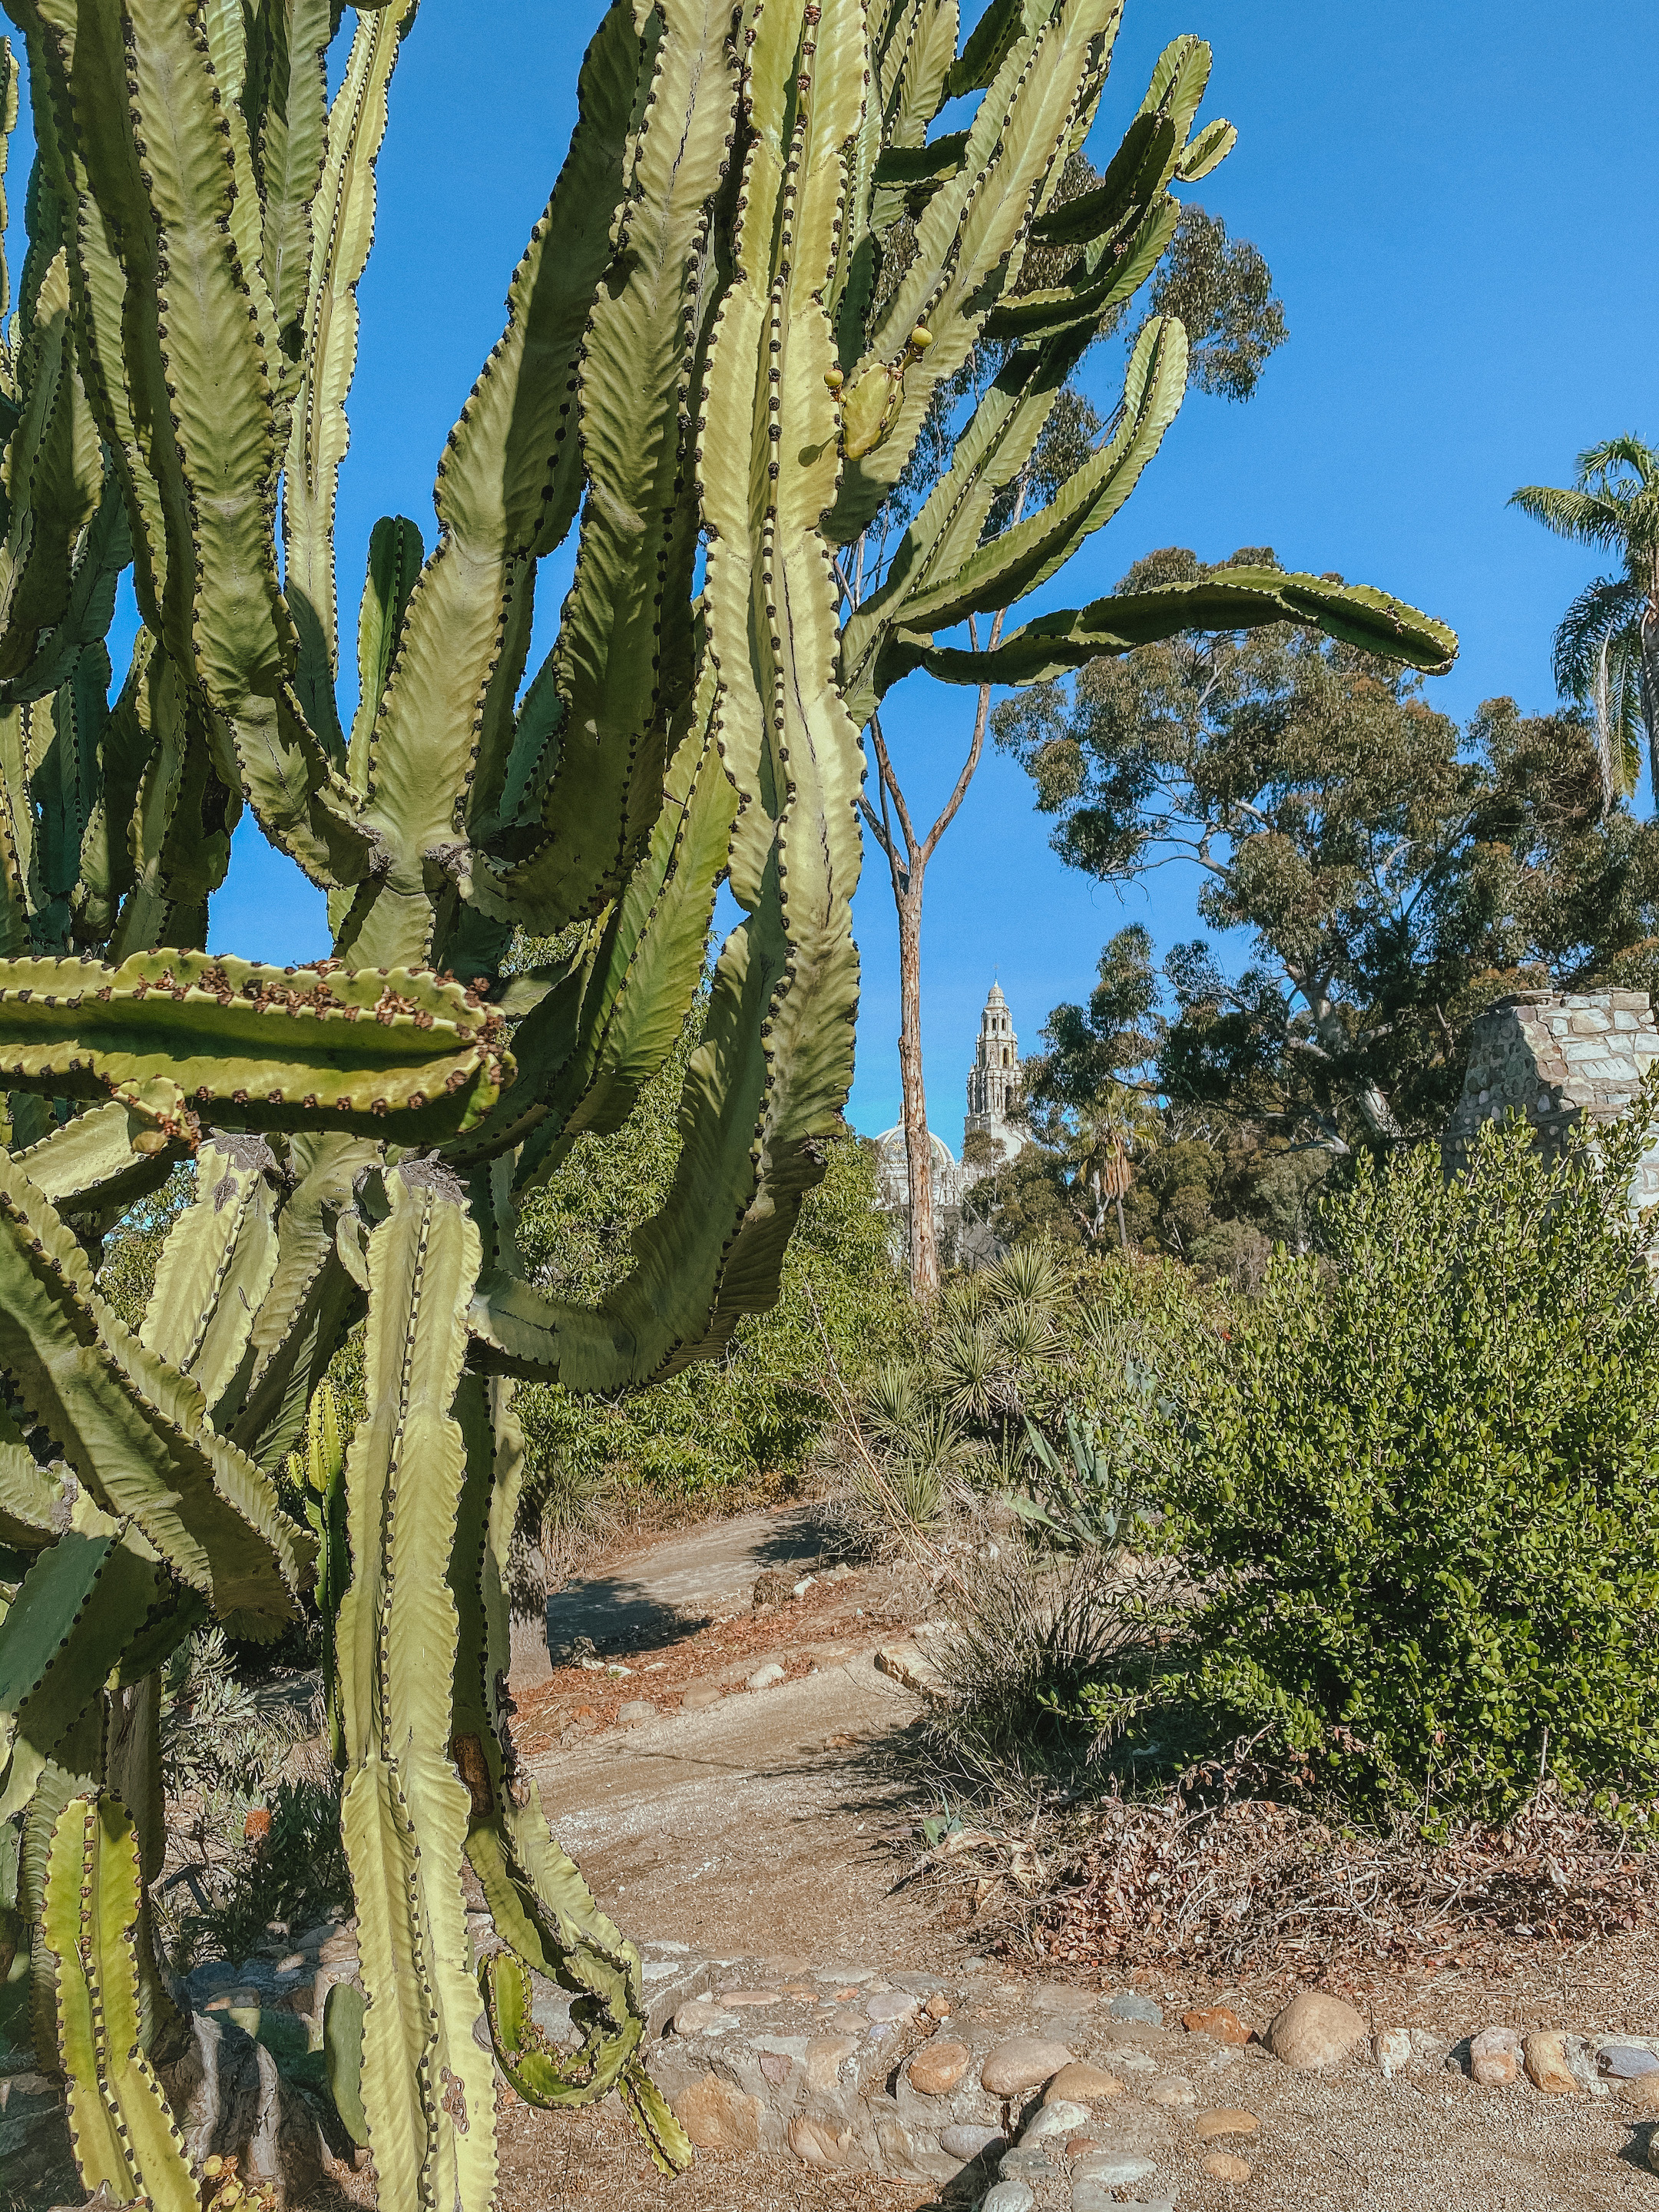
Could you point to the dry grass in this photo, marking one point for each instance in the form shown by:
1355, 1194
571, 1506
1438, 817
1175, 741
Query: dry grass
1212, 1877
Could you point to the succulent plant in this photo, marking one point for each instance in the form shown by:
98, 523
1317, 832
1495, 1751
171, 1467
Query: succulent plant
751, 275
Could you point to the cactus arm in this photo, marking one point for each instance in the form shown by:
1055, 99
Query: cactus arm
1238, 599
52, 476
538, 1901
968, 230
585, 1052
8, 126
126, 2138
166, 328
182, 818
289, 148
133, 1429
107, 868
83, 1602
992, 447
424, 2079
88, 1166
990, 42
216, 1265
305, 1289
1020, 559
1085, 303
33, 1498
341, 219
395, 554
185, 1037
509, 486
765, 1084
64, 738
89, 606
78, 1768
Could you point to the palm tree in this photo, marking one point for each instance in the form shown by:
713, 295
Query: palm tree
1607, 649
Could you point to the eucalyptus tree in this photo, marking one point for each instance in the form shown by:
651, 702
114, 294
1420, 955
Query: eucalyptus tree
691, 379
1607, 648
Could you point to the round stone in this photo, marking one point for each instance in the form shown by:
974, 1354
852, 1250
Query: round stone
938, 2067
1219, 2022
1129, 2004
1625, 2062
1495, 2057
1640, 2096
1211, 2125
698, 2016
1057, 2119
764, 1677
1315, 2030
1392, 2050
1173, 2091
1080, 2083
1114, 2169
636, 1711
1225, 2166
1024, 2062
1009, 2197
1546, 2059
700, 1696
891, 2004
967, 2142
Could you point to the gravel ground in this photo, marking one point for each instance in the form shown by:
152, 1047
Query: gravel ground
776, 1824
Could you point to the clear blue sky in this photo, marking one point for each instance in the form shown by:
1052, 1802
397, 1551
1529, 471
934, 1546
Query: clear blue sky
1463, 224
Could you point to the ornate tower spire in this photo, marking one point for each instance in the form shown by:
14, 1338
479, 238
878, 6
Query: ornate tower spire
994, 1080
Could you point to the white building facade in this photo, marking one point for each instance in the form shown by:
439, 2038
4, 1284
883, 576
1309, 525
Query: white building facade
993, 1087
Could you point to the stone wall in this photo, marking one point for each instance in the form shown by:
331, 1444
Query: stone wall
1560, 1061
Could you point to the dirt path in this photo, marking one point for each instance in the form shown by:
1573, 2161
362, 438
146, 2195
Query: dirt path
764, 1829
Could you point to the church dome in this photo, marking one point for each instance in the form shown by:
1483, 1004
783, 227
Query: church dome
890, 1145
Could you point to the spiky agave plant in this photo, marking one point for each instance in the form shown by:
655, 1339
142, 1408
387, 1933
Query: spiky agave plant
722, 336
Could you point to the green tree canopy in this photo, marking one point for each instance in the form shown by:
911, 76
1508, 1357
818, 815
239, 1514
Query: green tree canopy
1396, 874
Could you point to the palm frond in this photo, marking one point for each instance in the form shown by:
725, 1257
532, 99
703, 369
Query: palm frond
1609, 606
1579, 515
1597, 464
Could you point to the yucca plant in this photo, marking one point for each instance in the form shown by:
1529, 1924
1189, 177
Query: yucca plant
715, 361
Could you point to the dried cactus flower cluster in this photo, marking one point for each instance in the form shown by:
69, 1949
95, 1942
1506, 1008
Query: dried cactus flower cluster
753, 274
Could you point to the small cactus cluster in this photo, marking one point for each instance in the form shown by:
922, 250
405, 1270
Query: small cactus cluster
753, 274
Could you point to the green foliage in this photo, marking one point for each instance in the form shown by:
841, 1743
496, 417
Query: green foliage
1081, 1499
1607, 649
1012, 1362
1414, 1489
295, 1873
1397, 875
223, 1736
750, 1418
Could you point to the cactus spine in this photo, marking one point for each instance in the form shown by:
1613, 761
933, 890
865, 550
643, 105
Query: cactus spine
753, 275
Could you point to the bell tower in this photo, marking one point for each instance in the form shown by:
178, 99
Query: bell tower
994, 1080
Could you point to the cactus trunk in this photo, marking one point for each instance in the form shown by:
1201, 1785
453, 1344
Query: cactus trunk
754, 280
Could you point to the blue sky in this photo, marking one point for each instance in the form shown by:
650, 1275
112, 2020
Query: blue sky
1462, 222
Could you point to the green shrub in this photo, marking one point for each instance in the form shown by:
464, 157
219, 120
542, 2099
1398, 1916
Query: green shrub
1418, 1496
755, 1413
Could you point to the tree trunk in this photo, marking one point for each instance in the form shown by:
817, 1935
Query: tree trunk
918, 1150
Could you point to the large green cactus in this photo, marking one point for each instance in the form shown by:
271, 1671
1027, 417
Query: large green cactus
753, 274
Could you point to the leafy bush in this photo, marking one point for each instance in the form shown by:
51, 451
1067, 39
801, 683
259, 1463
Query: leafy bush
738, 1422
1034, 1636
1418, 1494
294, 1874
1015, 1356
